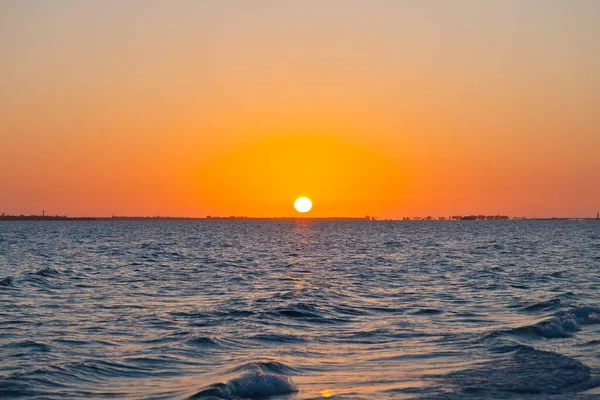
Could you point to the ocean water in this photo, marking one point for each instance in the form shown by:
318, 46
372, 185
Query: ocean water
300, 309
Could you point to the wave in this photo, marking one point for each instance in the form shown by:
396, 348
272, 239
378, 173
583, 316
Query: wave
33, 382
394, 243
556, 303
266, 367
258, 380
249, 386
8, 281
202, 341
212, 318
314, 314
427, 311
385, 310
47, 272
525, 370
278, 338
594, 342
215, 342
15, 389
299, 311
562, 324
30, 345
552, 304
348, 310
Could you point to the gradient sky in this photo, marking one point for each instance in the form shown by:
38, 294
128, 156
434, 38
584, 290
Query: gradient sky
387, 108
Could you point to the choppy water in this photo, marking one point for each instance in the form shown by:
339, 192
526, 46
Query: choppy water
300, 309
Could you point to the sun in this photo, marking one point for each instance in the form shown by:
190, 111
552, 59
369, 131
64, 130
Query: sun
303, 204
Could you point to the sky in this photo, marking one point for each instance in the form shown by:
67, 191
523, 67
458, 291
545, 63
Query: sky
385, 108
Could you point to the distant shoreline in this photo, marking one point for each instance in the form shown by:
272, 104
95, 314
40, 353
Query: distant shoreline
159, 218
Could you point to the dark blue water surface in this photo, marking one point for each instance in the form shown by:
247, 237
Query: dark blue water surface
300, 309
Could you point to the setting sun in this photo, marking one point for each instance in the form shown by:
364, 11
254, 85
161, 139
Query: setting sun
303, 204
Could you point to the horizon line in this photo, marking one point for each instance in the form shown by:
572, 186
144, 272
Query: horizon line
469, 217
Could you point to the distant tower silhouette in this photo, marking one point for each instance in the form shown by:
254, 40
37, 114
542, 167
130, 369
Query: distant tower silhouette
598, 215
43, 212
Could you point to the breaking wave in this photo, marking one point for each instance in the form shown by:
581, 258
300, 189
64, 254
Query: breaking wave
562, 324
263, 379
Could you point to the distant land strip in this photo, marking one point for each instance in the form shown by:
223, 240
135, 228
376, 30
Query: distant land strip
5, 217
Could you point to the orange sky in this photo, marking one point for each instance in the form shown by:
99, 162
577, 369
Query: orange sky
385, 108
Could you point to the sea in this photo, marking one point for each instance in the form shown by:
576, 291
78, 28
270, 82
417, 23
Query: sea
300, 309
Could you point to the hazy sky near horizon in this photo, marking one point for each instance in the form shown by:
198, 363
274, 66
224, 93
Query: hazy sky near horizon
388, 108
